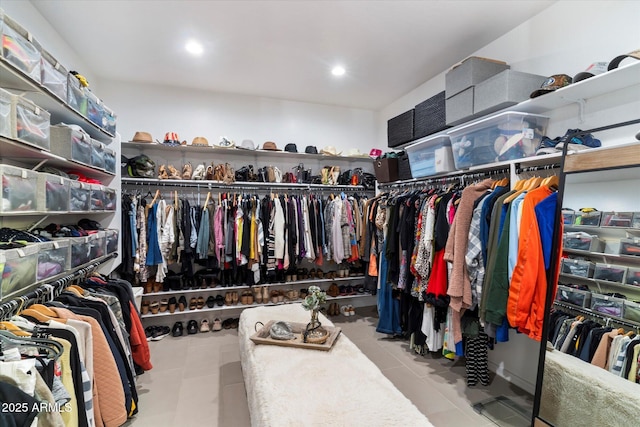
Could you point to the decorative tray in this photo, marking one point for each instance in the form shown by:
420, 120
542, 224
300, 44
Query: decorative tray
262, 336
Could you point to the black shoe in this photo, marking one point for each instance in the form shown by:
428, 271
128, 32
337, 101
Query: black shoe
211, 301
160, 332
192, 327
219, 300
177, 329
182, 303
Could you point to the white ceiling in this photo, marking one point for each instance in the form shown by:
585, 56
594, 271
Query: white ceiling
284, 49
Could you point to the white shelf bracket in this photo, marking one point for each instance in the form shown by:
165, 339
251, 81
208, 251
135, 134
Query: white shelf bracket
581, 106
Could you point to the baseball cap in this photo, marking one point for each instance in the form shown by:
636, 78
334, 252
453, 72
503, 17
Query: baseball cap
554, 82
615, 62
592, 70
171, 138
291, 148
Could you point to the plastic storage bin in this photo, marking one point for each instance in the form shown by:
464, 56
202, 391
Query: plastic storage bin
577, 267
112, 240
110, 199
53, 259
80, 251
587, 219
19, 48
79, 196
54, 76
573, 296
31, 123
71, 142
109, 120
5, 114
635, 222
97, 197
504, 136
608, 305
97, 154
568, 216
631, 311
97, 245
109, 160
616, 219
430, 156
19, 269
18, 189
53, 193
633, 276
630, 247
610, 273
579, 240
76, 95
95, 111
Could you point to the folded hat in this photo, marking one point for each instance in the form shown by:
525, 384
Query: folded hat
355, 152
246, 144
330, 150
171, 138
200, 141
271, 146
224, 143
615, 62
311, 149
291, 148
593, 70
554, 82
142, 137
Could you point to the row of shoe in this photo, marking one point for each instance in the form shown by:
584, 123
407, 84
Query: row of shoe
205, 326
214, 172
334, 309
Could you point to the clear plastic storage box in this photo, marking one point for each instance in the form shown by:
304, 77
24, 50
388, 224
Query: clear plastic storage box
573, 296
109, 160
54, 76
631, 311
616, 219
80, 251
95, 111
504, 136
97, 197
31, 123
630, 247
53, 193
97, 154
110, 199
112, 236
430, 156
19, 269
18, 189
587, 219
568, 216
5, 114
19, 48
76, 95
97, 245
633, 276
607, 305
109, 120
79, 196
577, 267
53, 258
71, 142
610, 273
579, 240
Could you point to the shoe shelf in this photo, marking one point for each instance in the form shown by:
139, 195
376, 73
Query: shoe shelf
244, 287
13, 79
243, 306
606, 258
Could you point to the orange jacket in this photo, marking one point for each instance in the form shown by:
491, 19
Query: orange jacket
138, 340
525, 306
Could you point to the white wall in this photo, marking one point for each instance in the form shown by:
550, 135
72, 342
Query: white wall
565, 38
25, 14
191, 113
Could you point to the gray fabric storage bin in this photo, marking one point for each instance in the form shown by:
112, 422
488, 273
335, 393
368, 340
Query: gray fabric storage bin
470, 72
504, 90
459, 108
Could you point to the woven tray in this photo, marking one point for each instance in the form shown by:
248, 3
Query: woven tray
263, 337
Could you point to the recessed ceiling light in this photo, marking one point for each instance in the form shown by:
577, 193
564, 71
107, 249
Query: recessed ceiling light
338, 70
194, 47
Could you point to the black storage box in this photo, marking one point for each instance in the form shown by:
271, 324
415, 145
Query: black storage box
429, 116
404, 168
400, 129
386, 169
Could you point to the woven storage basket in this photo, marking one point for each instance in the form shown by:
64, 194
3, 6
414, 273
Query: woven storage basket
429, 116
404, 168
400, 129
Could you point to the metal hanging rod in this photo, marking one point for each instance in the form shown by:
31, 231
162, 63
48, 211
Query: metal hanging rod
263, 186
596, 315
458, 178
553, 166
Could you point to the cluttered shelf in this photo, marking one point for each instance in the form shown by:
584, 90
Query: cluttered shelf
605, 257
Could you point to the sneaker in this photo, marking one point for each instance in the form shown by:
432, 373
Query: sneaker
192, 327
149, 331
217, 325
160, 332
177, 329
204, 326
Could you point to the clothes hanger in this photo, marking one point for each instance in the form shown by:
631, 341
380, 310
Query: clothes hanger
8, 326
53, 348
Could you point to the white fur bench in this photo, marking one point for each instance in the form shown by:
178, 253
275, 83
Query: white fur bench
299, 387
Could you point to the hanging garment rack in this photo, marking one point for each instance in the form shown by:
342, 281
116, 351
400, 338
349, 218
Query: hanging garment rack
537, 168
448, 179
50, 290
596, 315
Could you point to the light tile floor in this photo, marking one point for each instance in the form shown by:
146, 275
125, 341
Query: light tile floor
197, 380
